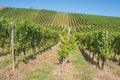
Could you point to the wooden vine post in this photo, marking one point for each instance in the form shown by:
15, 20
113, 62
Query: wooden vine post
12, 46
68, 41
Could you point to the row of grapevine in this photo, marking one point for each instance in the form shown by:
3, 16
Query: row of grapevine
27, 36
79, 22
102, 44
42, 17
84, 23
4, 34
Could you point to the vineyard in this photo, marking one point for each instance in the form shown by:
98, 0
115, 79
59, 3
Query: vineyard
96, 38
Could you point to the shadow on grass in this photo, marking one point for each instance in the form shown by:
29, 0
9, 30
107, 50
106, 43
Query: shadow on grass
88, 58
4, 54
33, 56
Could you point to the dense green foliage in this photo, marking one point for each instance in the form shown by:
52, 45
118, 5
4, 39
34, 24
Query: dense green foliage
27, 35
101, 43
4, 34
67, 45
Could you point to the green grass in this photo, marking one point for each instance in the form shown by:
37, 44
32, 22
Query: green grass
22, 57
43, 69
41, 72
81, 66
5, 60
114, 67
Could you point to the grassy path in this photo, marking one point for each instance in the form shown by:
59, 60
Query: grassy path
88, 71
37, 68
85, 72
62, 74
46, 63
45, 67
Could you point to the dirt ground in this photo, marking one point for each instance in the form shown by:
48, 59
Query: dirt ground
23, 68
58, 73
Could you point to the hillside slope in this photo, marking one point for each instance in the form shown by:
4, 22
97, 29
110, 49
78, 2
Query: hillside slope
79, 22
